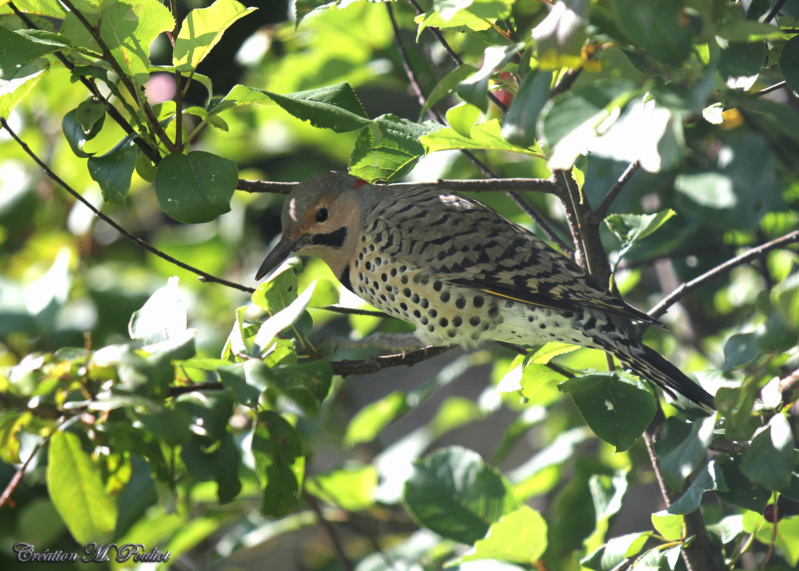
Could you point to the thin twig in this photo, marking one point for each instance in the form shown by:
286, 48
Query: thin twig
343, 368
574, 217
406, 64
265, 186
769, 89
330, 531
17, 477
112, 111
600, 213
719, 270
135, 239
566, 82
453, 56
149, 116
368, 366
777, 7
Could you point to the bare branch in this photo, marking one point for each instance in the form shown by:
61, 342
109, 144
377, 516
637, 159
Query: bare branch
565, 82
330, 531
368, 366
600, 213
135, 239
720, 270
265, 186
406, 64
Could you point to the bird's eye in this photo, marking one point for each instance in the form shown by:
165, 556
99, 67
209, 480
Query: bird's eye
322, 214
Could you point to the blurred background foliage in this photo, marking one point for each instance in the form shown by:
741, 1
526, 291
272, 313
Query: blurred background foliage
717, 135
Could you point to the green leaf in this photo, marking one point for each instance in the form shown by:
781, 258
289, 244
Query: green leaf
769, 459
279, 463
728, 528
307, 384
615, 551
486, 135
447, 85
660, 27
89, 113
78, 492
371, 419
388, 149
350, 487
196, 187
281, 320
162, 320
48, 294
334, 107
740, 349
519, 124
789, 63
474, 90
785, 537
278, 292
669, 525
168, 425
682, 448
488, 9
748, 31
210, 413
732, 197
785, 300
14, 88
561, 35
201, 31
519, 537
631, 228
462, 118
128, 28
218, 462
18, 50
113, 171
741, 491
710, 478
616, 406
75, 134
455, 494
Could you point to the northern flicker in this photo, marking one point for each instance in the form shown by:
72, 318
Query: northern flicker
460, 272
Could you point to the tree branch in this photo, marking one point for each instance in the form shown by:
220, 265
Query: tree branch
330, 531
367, 366
720, 270
599, 214
698, 555
112, 111
135, 239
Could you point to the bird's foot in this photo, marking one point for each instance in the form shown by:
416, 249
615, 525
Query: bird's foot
400, 342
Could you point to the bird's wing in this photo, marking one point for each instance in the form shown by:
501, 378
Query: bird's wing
465, 243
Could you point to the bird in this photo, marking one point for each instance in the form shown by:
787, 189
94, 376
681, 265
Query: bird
461, 272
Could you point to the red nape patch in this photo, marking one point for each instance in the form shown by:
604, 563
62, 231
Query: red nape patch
359, 184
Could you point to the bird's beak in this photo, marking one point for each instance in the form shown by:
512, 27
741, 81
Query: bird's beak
279, 253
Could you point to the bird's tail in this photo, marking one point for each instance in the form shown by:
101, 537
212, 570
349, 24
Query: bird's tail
651, 365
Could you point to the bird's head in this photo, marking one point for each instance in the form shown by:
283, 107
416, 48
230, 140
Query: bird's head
322, 218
